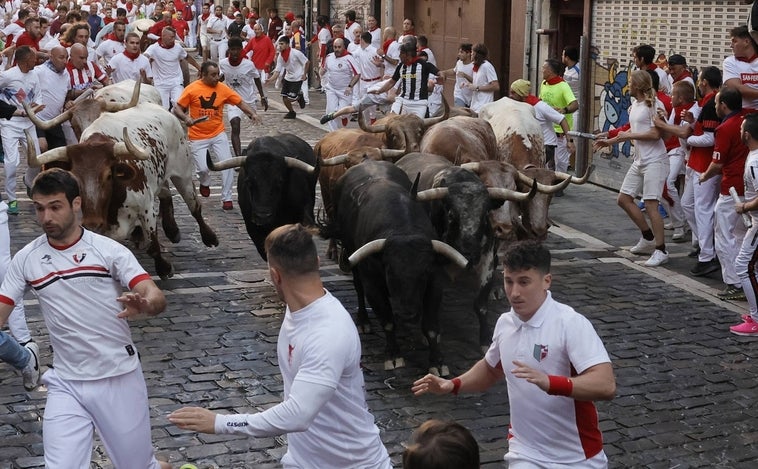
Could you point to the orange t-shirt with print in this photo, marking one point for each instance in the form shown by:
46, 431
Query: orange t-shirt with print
203, 100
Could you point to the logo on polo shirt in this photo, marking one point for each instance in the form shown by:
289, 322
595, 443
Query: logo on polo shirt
46, 259
78, 258
540, 352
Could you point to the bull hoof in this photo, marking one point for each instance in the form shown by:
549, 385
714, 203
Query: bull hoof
164, 269
173, 234
394, 364
210, 240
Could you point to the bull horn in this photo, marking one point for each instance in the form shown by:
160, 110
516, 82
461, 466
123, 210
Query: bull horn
335, 160
372, 247
450, 252
86, 95
543, 188
371, 128
501, 193
48, 124
390, 154
297, 164
235, 162
430, 121
34, 161
115, 107
574, 179
432, 194
128, 150
474, 167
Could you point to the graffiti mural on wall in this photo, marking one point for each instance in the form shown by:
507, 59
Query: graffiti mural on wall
612, 110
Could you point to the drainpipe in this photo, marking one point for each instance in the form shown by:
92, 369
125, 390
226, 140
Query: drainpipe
389, 12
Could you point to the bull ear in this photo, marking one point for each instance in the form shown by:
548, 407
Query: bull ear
414, 187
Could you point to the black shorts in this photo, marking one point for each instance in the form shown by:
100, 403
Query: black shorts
291, 89
54, 136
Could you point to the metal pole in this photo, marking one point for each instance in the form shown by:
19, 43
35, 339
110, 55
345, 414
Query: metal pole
585, 107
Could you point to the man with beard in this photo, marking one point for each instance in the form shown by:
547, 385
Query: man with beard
130, 64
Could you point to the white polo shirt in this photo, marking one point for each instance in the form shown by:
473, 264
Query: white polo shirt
125, 68
746, 73
165, 62
558, 341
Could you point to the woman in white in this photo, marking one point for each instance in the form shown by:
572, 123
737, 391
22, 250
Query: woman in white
648, 171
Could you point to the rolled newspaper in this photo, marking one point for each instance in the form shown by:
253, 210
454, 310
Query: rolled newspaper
745, 217
586, 135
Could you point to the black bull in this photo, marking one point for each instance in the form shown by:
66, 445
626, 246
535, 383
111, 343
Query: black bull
393, 249
276, 184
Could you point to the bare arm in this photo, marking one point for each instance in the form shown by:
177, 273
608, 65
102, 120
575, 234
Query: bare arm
479, 378
191, 60
714, 169
181, 113
5, 311
390, 83
747, 92
249, 112
596, 383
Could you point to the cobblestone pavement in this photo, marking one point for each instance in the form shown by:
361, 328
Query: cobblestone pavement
685, 385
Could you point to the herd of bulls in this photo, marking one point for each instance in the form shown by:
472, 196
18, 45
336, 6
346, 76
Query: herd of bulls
409, 203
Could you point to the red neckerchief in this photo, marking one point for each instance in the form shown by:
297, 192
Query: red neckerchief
20, 23
743, 59
51, 8
132, 56
412, 32
707, 98
476, 67
652, 67
348, 24
112, 37
554, 81
685, 74
532, 99
235, 63
387, 44
165, 46
286, 54
413, 60
205, 16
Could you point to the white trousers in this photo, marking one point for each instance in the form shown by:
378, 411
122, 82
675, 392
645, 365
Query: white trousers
698, 203
17, 319
219, 147
409, 106
336, 100
169, 94
676, 165
728, 235
116, 407
745, 267
562, 155
12, 133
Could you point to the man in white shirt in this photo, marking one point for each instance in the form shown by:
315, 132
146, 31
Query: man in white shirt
55, 84
165, 59
216, 30
339, 77
293, 66
464, 67
113, 43
554, 364
324, 411
372, 26
18, 84
130, 64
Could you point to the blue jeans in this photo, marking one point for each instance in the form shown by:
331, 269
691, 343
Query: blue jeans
13, 353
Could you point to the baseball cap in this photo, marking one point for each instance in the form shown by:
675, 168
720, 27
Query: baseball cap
677, 59
521, 87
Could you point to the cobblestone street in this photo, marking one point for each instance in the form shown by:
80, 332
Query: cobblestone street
685, 384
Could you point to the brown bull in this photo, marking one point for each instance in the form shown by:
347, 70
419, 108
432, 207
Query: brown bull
403, 131
461, 140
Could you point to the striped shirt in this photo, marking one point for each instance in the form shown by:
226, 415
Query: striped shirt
81, 79
414, 78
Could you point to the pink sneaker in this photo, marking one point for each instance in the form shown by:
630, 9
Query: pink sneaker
747, 328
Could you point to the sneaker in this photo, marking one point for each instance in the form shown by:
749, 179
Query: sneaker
227, 205
205, 191
668, 226
301, 100
31, 370
662, 211
705, 268
747, 328
326, 118
657, 258
643, 246
679, 234
731, 292
13, 207
290, 115
641, 205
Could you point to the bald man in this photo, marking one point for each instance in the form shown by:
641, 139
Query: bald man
55, 85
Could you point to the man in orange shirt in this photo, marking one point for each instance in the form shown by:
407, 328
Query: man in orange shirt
205, 98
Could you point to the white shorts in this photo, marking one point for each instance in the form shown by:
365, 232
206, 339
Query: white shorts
234, 111
116, 407
650, 178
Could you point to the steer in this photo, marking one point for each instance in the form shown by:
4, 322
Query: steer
459, 205
112, 98
393, 249
404, 131
461, 140
123, 161
518, 133
276, 184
